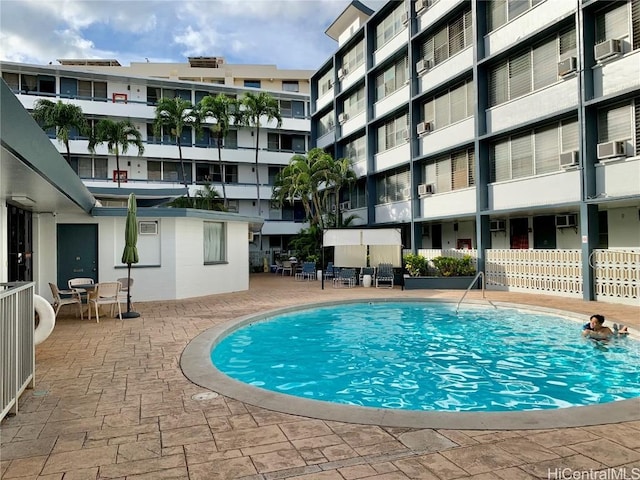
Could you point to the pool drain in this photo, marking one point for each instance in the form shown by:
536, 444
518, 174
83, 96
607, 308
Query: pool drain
205, 396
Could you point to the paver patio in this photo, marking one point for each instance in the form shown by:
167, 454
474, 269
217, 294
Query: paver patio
111, 402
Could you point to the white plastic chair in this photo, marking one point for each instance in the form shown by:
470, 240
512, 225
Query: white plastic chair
125, 285
65, 297
73, 282
106, 294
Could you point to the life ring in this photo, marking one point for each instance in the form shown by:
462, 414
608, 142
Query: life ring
47, 319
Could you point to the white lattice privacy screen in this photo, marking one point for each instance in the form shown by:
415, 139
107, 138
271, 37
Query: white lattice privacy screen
617, 275
549, 271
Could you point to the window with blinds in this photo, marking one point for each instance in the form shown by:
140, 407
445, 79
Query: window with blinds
451, 106
325, 82
393, 133
451, 172
390, 26
326, 124
615, 123
449, 40
354, 57
354, 104
530, 70
356, 150
613, 24
567, 44
358, 194
500, 12
392, 78
393, 187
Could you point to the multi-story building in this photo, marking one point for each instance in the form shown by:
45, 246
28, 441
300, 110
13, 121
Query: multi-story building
105, 89
510, 128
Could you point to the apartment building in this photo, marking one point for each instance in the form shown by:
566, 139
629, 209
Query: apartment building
508, 128
105, 89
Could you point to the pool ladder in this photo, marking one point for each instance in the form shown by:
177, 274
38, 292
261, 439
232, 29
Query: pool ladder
473, 282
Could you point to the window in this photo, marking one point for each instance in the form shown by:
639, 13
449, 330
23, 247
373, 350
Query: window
233, 206
392, 79
449, 40
615, 123
211, 173
354, 104
503, 11
273, 174
154, 170
252, 83
393, 133
172, 171
100, 91
12, 80
393, 187
451, 106
285, 142
356, 150
292, 109
354, 57
87, 167
390, 26
326, 124
612, 24
215, 244
451, 172
325, 83
290, 86
153, 95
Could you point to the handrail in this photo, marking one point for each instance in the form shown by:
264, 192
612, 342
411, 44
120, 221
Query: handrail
475, 279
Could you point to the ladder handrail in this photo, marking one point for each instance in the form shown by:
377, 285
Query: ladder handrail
473, 282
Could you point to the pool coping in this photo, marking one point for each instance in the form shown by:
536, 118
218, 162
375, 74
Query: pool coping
196, 365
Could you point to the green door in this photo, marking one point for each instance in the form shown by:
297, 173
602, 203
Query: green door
77, 252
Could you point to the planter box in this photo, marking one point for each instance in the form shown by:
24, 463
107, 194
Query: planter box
439, 283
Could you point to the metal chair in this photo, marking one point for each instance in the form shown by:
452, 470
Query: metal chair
384, 276
308, 271
330, 271
65, 297
345, 278
106, 294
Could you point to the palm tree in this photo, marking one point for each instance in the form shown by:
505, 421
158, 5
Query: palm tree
223, 110
342, 175
173, 115
257, 106
64, 117
118, 136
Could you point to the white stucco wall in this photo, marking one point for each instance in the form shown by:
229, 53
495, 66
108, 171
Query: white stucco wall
624, 227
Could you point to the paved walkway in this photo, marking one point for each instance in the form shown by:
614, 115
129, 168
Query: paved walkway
111, 402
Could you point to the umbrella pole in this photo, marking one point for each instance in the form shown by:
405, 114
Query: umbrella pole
129, 313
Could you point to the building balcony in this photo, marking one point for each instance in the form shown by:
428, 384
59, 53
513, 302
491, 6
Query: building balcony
386, 50
551, 189
399, 155
391, 101
618, 177
560, 96
454, 202
540, 16
394, 212
617, 75
443, 72
449, 136
353, 123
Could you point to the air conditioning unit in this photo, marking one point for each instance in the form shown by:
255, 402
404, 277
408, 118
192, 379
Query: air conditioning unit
423, 65
147, 228
611, 150
342, 72
565, 221
424, 127
251, 236
343, 117
569, 159
608, 48
421, 5
405, 18
220, 61
345, 206
567, 66
426, 189
498, 225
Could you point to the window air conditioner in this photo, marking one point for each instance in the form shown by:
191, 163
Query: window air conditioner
426, 189
147, 228
567, 66
611, 150
343, 117
424, 127
405, 18
342, 72
565, 221
345, 206
608, 48
423, 65
251, 235
569, 159
498, 225
421, 5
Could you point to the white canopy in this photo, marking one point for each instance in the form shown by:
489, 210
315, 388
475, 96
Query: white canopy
384, 245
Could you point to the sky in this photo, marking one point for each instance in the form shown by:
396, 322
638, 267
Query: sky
286, 33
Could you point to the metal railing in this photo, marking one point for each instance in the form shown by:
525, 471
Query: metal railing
473, 282
17, 350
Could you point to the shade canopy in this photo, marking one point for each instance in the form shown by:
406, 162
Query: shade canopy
130, 253
384, 245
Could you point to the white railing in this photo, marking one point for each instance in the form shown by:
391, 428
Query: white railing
549, 271
17, 351
617, 275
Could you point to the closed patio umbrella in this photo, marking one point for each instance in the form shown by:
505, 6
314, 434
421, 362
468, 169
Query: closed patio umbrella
130, 253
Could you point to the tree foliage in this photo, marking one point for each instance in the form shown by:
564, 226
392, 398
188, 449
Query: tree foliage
64, 117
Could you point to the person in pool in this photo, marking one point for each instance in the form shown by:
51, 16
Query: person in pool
595, 329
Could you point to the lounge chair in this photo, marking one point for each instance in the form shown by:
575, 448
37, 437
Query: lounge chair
308, 271
345, 278
384, 276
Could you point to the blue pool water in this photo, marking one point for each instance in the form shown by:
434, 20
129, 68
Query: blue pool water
422, 356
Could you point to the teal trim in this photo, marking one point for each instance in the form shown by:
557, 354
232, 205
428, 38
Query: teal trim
24, 138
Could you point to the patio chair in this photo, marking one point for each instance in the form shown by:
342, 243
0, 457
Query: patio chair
329, 272
106, 294
65, 297
384, 276
366, 271
345, 278
287, 267
74, 283
308, 271
125, 285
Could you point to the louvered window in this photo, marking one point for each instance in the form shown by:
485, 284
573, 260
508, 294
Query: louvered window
325, 82
354, 57
472, 167
449, 40
392, 133
355, 103
451, 106
521, 157
567, 44
499, 161
545, 65
458, 103
499, 84
393, 187
390, 26
326, 124
635, 25
456, 36
460, 170
451, 172
570, 140
356, 150
443, 175
546, 150
520, 75
613, 24
615, 123
392, 79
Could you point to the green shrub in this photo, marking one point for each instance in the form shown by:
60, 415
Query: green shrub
416, 265
454, 267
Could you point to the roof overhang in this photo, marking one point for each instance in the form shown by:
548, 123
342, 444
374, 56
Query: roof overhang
353, 11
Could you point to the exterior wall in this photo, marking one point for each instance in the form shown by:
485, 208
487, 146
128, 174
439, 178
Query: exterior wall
618, 177
557, 187
624, 227
449, 203
612, 77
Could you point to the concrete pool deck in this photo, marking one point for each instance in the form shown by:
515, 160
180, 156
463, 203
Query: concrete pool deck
111, 401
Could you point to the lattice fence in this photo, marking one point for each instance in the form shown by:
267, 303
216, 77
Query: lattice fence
617, 275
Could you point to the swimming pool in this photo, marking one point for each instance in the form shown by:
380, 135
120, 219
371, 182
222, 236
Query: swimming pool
197, 366
423, 356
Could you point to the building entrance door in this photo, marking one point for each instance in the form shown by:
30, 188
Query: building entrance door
77, 252
19, 242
